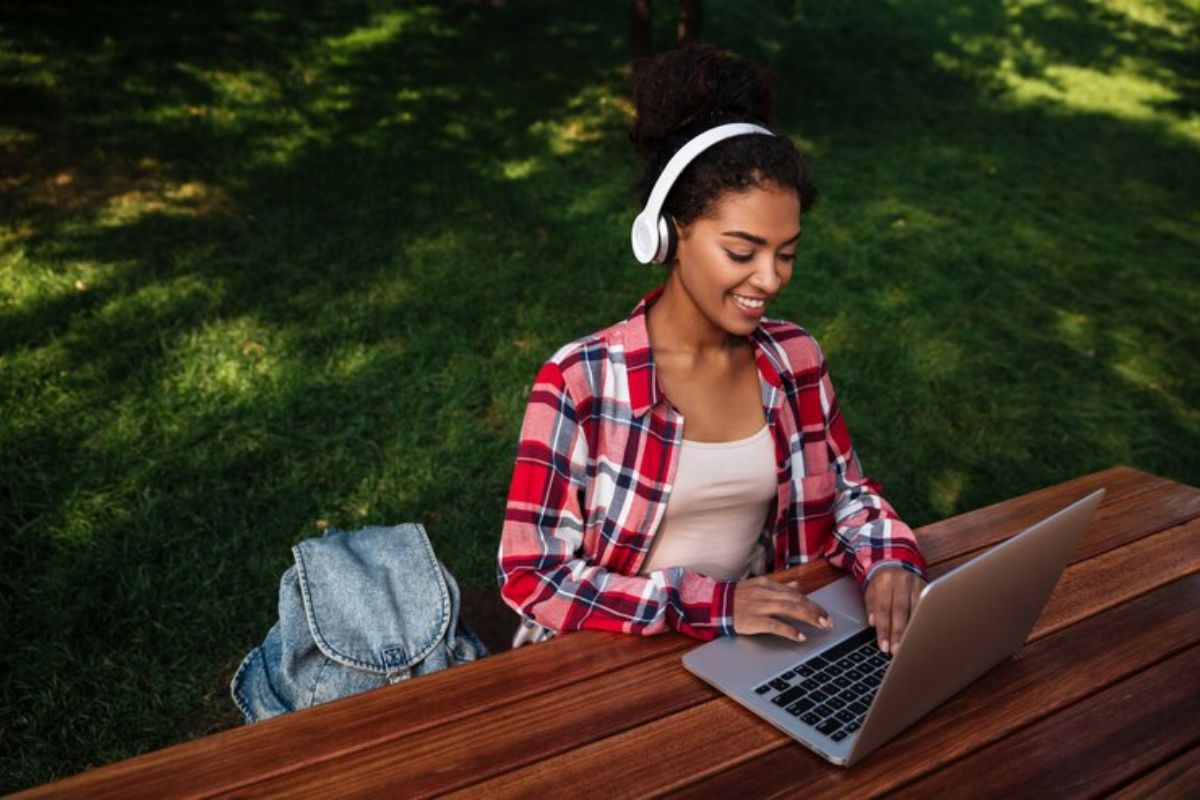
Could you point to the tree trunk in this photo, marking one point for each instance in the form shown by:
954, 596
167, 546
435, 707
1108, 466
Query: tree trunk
691, 15
640, 18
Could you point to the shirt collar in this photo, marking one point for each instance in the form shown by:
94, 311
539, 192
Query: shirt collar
645, 392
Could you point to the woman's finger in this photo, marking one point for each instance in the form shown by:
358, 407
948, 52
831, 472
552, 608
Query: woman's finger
883, 620
899, 617
797, 606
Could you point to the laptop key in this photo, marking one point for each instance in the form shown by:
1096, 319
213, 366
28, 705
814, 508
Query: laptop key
872, 680
845, 715
860, 688
849, 645
780, 685
809, 684
852, 727
787, 675
823, 711
849, 695
853, 674
811, 718
806, 670
829, 726
800, 706
858, 657
818, 697
858, 708
817, 662
842, 682
833, 669
835, 702
791, 695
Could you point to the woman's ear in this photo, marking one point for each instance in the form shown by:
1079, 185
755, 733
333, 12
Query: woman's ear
674, 234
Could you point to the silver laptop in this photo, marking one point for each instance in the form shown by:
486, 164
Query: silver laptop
840, 695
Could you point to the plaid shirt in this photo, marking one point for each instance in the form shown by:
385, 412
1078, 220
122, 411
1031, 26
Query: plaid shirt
595, 463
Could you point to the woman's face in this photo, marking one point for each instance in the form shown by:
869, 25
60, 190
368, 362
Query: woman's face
737, 258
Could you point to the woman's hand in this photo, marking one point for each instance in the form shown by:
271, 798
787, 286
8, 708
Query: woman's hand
759, 603
891, 596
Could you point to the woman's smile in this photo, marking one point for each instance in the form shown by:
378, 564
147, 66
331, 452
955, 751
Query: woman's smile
753, 307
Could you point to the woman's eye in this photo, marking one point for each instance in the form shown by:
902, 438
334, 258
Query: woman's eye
741, 258
788, 256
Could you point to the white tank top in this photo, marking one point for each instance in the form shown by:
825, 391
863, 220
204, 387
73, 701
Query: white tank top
718, 504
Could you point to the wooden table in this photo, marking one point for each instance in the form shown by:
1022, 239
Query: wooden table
1103, 698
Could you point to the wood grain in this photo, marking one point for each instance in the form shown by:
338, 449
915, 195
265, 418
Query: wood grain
476, 748
1090, 748
703, 742
985, 526
1132, 516
1177, 778
243, 755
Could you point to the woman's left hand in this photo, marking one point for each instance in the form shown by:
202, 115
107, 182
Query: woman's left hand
891, 596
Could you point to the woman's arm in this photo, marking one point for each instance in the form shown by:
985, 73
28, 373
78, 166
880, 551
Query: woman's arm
543, 572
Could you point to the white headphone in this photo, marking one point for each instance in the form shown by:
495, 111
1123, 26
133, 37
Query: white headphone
652, 235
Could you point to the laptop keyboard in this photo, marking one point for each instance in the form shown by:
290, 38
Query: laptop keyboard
831, 692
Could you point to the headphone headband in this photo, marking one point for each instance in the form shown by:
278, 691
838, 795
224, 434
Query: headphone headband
651, 232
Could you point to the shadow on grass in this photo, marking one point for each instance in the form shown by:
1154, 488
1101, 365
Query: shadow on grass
286, 265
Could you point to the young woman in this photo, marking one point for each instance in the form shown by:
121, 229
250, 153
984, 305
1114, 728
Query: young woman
669, 461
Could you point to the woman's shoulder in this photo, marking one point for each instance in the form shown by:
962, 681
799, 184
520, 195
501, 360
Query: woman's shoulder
579, 364
792, 343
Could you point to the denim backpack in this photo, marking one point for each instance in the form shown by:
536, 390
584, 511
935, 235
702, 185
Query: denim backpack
357, 611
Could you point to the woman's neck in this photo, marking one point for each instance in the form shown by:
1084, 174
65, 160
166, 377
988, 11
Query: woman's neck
676, 326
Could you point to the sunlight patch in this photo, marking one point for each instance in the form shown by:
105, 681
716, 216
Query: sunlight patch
160, 196
381, 29
1077, 330
595, 113
230, 359
945, 490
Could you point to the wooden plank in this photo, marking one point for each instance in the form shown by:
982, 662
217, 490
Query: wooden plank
699, 744
990, 524
1090, 748
232, 758
1114, 524
478, 747
1179, 777
1122, 574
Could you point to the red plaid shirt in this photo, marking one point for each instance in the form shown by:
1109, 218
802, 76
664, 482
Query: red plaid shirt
595, 462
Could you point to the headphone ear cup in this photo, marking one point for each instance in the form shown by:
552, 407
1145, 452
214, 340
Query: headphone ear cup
666, 240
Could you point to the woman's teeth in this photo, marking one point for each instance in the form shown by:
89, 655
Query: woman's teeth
747, 303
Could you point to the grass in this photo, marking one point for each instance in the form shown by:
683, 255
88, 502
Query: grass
268, 267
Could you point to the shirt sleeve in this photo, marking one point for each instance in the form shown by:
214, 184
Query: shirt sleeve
868, 534
543, 572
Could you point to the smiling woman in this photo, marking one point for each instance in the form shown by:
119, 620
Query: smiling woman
669, 461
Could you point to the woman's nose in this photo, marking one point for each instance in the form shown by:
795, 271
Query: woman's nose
766, 275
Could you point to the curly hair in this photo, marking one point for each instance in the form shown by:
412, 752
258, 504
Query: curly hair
684, 92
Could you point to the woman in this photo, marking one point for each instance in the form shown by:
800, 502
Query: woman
668, 461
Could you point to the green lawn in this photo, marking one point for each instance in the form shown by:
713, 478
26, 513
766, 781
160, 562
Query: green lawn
270, 266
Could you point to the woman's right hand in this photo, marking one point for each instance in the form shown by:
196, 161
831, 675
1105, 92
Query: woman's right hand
761, 604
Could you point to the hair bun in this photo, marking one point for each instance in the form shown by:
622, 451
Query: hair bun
681, 92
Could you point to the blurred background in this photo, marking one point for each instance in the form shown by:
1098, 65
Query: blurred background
268, 267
